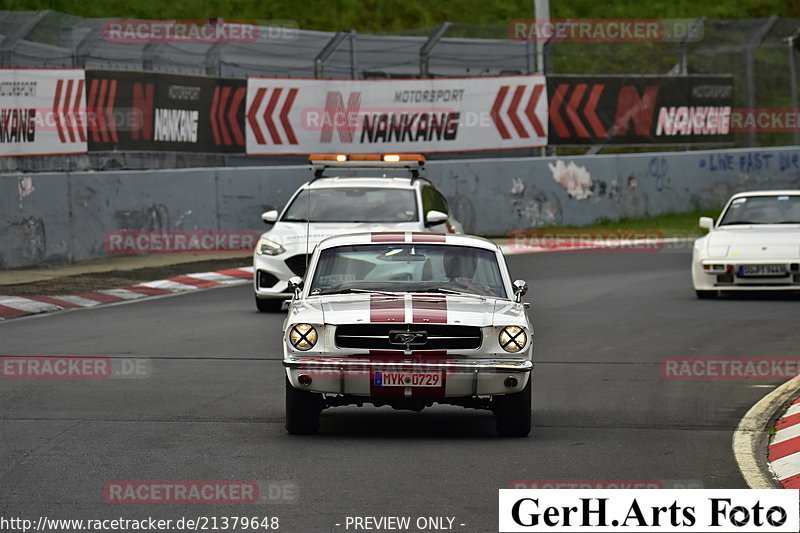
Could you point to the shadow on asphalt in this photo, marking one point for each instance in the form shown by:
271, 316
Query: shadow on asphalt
432, 423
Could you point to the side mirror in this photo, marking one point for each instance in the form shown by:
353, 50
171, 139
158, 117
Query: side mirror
706, 222
435, 217
269, 217
520, 290
296, 284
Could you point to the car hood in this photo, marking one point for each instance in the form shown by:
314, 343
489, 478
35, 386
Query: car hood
753, 242
293, 235
410, 308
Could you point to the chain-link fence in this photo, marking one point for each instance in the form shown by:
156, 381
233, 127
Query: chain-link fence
760, 53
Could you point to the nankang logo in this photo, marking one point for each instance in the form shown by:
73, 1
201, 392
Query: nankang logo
176, 125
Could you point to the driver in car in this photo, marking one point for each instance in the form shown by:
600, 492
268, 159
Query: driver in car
459, 267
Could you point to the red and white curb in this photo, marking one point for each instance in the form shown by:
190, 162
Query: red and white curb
784, 448
17, 306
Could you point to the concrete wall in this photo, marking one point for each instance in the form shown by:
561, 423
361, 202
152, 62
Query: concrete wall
57, 218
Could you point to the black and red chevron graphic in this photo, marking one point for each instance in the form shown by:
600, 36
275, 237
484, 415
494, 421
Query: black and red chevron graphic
67, 104
515, 115
225, 110
266, 108
100, 110
579, 112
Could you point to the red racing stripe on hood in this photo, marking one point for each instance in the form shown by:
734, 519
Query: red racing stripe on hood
386, 309
429, 308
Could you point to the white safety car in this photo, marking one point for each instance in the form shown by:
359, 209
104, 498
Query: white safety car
407, 319
755, 245
369, 192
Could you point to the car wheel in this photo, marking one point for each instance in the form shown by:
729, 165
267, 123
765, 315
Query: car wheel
513, 413
706, 295
270, 305
302, 410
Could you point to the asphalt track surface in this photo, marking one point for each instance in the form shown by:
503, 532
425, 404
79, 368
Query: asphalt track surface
213, 407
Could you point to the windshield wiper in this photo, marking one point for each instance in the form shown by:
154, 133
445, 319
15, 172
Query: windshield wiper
350, 290
740, 222
451, 291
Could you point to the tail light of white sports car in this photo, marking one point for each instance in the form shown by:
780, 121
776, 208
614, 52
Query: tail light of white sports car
268, 247
513, 339
303, 336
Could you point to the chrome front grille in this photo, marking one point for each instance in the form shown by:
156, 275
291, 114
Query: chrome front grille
392, 337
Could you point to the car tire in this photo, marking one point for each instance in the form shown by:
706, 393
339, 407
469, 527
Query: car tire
269, 305
706, 295
513, 413
302, 410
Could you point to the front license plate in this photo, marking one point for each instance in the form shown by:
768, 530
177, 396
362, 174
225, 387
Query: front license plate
408, 379
762, 270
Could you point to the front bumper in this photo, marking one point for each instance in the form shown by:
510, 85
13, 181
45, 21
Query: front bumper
356, 376
724, 274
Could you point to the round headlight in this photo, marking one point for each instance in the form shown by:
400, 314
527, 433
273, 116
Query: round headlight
513, 339
268, 247
303, 336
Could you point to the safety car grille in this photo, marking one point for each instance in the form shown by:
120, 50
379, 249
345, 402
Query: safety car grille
297, 264
386, 337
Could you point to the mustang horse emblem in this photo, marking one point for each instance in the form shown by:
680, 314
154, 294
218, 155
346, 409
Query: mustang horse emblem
408, 338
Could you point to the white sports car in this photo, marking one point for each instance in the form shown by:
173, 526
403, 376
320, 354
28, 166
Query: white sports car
408, 319
755, 245
386, 199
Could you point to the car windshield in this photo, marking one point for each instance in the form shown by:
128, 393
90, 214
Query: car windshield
408, 268
778, 209
353, 204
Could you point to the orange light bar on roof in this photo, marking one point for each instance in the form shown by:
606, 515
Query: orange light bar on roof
387, 158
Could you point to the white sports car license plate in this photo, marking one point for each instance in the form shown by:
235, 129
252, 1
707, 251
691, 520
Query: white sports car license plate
408, 379
762, 270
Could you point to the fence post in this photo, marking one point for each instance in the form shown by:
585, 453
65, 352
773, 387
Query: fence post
752, 43
325, 53
353, 62
425, 51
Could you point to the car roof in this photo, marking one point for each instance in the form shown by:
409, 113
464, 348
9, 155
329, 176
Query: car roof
366, 181
793, 192
403, 237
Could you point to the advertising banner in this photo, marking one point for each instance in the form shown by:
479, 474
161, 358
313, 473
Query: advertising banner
588, 110
148, 111
294, 116
42, 112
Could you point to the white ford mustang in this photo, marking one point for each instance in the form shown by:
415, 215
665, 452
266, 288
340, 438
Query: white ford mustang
755, 245
407, 319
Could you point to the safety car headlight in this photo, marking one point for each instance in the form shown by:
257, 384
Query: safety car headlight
303, 336
513, 339
268, 247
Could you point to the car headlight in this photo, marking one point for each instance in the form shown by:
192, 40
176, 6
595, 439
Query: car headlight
268, 247
303, 336
513, 339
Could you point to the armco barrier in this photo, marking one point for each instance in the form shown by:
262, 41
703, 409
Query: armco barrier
56, 218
